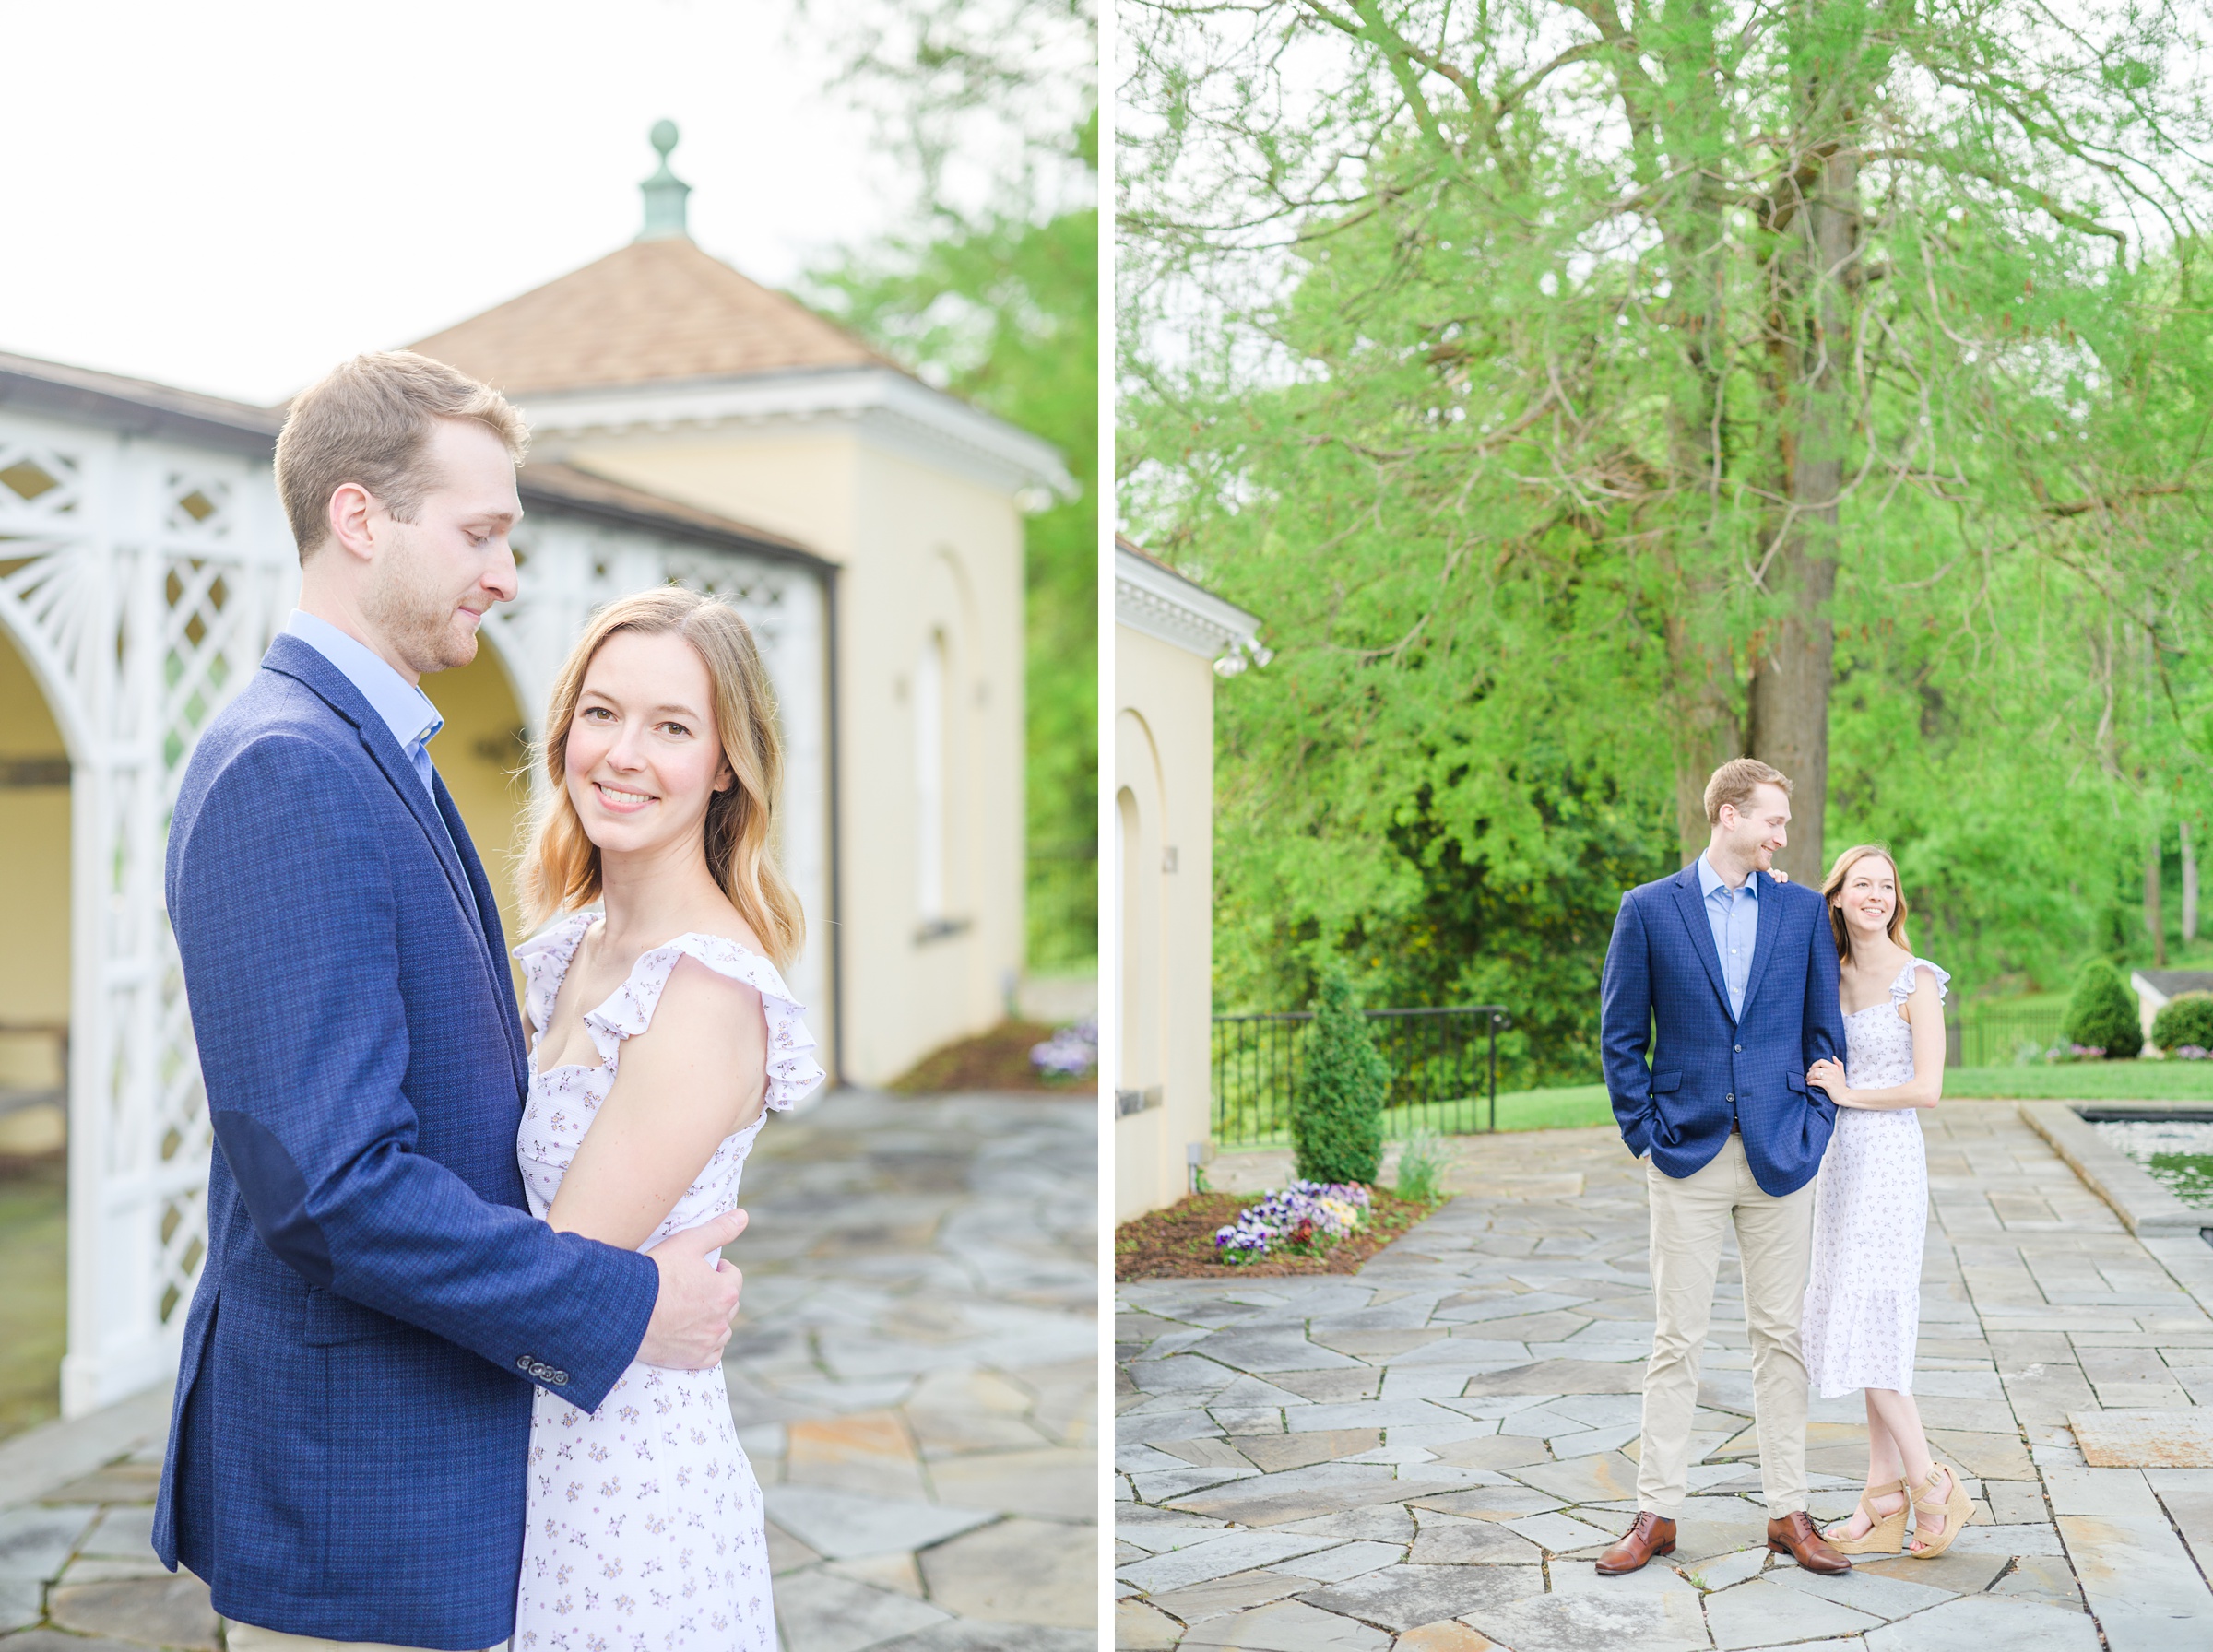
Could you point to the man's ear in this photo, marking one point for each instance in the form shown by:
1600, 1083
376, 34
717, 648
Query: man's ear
349, 513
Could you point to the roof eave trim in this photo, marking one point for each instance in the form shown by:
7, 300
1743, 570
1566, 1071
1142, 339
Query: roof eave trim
1166, 606
252, 433
1014, 458
673, 527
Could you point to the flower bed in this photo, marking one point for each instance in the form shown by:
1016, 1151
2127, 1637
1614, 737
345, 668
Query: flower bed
1004, 1058
1302, 1220
1180, 1243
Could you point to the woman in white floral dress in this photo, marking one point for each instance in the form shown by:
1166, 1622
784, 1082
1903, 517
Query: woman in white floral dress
1871, 1206
662, 1037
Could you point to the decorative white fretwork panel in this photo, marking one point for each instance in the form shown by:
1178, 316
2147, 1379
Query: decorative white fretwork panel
142, 579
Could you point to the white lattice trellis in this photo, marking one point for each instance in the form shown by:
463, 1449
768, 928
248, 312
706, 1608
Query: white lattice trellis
141, 578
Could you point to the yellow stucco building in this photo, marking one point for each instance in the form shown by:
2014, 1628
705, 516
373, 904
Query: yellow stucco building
1172, 638
661, 368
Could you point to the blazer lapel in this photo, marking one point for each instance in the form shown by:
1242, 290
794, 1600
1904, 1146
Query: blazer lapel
488, 924
298, 660
381, 746
1692, 905
1765, 939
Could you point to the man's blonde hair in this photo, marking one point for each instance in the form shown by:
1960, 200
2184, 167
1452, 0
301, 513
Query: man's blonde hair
369, 421
1734, 782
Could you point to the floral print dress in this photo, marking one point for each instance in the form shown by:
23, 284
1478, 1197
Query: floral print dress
1871, 1212
645, 1531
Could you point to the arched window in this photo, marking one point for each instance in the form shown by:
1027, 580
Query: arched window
1127, 925
929, 781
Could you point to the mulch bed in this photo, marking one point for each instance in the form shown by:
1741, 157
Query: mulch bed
999, 1059
1179, 1243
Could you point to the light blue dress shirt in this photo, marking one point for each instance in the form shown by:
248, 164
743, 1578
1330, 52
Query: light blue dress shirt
1733, 915
406, 711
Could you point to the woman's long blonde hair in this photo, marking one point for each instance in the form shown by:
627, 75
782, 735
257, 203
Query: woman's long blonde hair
1835, 881
560, 868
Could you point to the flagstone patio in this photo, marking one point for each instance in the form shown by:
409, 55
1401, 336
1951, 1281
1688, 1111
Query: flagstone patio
1427, 1455
914, 1377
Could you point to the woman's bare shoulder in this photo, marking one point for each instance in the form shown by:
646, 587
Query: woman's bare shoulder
724, 921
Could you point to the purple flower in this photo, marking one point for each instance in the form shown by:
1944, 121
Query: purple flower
1305, 1215
1071, 1052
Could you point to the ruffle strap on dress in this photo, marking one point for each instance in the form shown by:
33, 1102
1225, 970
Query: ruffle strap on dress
792, 1071
545, 958
1902, 988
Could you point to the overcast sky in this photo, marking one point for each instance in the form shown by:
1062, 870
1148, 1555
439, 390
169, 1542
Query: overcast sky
233, 195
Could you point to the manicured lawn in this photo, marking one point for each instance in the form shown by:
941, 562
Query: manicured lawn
1575, 1105
1562, 1109
2084, 1081
2071, 1081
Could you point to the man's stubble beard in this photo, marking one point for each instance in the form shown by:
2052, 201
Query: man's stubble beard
413, 616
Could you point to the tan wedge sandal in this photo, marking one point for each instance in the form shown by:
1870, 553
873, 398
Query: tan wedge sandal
1956, 1509
1885, 1534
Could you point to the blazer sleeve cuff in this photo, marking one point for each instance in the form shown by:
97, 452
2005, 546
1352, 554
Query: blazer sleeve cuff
614, 1304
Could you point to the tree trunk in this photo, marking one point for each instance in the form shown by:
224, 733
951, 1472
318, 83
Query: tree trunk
2154, 918
1788, 712
1787, 721
1685, 117
1706, 732
1789, 715
2189, 886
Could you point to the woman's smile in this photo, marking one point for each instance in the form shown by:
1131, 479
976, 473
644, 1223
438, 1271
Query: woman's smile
621, 802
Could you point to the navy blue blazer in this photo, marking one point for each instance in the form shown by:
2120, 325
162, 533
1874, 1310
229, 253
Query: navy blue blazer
1663, 986
347, 1446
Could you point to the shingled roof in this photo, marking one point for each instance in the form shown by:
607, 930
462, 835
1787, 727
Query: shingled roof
655, 309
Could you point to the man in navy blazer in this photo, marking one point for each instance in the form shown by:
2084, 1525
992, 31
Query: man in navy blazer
1727, 974
352, 1413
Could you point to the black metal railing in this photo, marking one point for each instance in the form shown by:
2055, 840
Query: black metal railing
2002, 1035
1444, 1071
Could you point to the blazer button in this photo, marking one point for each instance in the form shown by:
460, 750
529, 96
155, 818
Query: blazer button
1731, 1096
1740, 1049
560, 1379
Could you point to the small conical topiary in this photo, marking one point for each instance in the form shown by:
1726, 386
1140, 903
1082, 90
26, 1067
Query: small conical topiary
2103, 1013
1337, 1100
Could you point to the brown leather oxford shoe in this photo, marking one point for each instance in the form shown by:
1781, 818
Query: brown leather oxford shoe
1652, 1534
1796, 1536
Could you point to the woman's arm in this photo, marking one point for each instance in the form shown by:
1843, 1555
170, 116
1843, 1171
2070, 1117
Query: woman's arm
695, 1075
1924, 1011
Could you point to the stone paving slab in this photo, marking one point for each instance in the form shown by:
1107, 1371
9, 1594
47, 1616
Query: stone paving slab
914, 1376
1453, 1429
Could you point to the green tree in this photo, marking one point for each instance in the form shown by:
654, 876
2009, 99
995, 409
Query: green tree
1337, 1097
1689, 280
1584, 396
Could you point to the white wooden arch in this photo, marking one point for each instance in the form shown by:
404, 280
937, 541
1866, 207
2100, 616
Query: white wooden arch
144, 567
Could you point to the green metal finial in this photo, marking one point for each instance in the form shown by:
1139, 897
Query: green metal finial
664, 192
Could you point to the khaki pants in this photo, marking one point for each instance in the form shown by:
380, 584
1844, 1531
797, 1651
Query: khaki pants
245, 1637
1775, 1238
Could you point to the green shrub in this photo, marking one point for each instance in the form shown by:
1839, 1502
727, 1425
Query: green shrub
1422, 1165
2185, 1019
1337, 1100
2103, 1012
